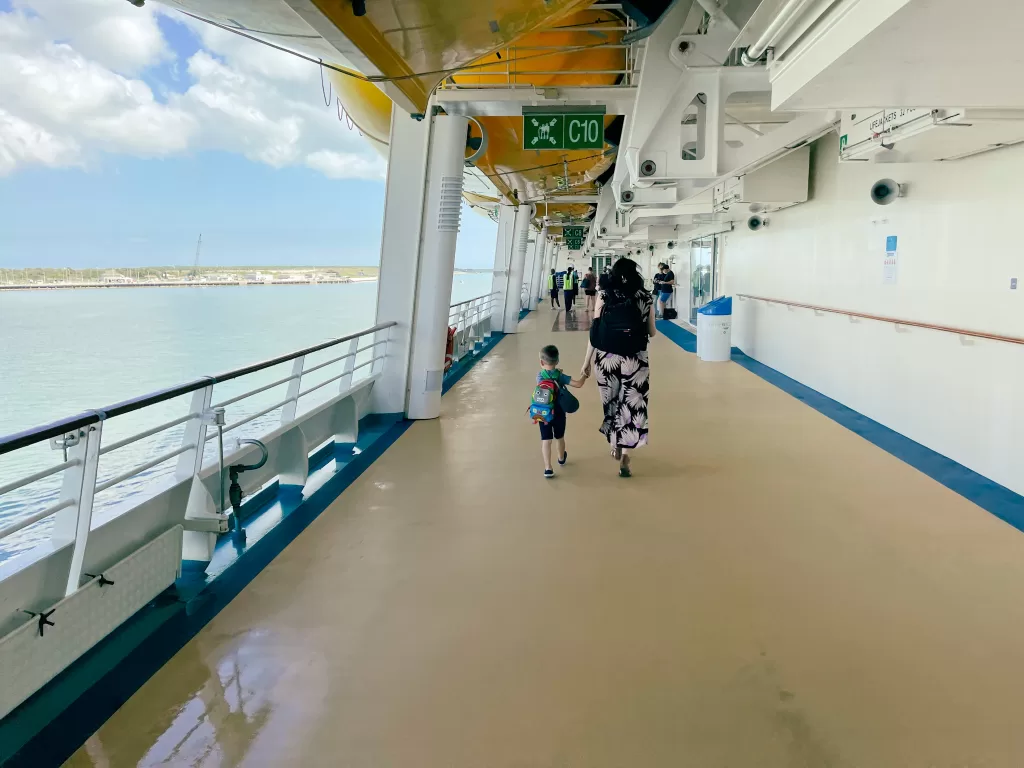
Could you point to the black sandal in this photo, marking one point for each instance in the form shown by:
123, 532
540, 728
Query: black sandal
624, 470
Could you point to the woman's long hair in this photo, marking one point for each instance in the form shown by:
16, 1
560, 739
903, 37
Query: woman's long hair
626, 277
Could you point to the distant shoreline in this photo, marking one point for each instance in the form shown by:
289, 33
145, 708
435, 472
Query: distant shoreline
178, 284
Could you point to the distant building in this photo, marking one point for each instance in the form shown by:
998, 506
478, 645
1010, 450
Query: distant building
115, 277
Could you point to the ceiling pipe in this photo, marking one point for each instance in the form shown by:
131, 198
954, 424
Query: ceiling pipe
783, 19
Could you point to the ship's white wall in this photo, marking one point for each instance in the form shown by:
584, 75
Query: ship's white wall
959, 244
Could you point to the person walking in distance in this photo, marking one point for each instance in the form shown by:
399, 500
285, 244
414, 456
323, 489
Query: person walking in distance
569, 289
553, 289
589, 285
617, 353
664, 283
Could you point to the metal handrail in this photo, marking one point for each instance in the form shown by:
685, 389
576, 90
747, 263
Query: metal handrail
13, 442
41, 475
111, 482
264, 388
147, 433
475, 298
80, 484
885, 319
25, 522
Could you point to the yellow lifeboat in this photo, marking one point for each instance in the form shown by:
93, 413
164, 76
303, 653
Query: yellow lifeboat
556, 49
574, 51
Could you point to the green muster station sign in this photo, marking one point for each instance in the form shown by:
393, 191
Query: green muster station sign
563, 130
573, 237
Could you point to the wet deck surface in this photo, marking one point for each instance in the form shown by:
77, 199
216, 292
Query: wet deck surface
767, 590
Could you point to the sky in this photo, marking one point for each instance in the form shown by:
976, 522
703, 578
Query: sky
126, 132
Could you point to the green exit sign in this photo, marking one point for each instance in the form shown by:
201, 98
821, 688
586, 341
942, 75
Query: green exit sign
555, 130
573, 232
574, 243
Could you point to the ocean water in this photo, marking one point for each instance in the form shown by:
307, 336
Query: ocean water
64, 352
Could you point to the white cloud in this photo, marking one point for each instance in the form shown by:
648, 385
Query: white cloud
70, 82
22, 143
113, 33
345, 165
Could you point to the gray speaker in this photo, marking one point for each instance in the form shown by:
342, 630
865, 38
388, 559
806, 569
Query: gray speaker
885, 192
756, 223
627, 196
648, 168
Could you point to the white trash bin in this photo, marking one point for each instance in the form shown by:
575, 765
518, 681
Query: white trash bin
714, 331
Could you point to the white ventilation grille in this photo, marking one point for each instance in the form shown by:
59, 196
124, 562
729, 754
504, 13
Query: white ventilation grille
450, 210
524, 239
29, 660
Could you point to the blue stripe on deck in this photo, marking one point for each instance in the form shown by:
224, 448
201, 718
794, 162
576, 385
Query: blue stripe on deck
987, 494
682, 337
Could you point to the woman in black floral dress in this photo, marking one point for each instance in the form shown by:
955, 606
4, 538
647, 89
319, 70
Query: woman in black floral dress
624, 380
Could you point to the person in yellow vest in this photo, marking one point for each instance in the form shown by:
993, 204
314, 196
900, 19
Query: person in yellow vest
569, 287
553, 288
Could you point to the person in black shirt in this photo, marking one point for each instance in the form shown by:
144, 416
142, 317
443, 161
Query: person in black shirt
663, 286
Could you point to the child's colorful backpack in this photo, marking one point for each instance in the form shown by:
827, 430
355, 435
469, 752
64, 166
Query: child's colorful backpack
542, 408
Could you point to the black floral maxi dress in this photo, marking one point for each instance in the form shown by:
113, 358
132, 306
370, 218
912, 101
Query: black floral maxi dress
623, 381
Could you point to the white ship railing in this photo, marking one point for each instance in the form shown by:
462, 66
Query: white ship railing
471, 320
81, 437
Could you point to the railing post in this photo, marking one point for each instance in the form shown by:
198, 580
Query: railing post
191, 461
345, 382
378, 365
294, 387
197, 545
79, 485
463, 330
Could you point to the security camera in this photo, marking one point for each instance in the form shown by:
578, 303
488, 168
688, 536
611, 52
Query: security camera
756, 223
650, 248
885, 191
671, 244
648, 168
626, 196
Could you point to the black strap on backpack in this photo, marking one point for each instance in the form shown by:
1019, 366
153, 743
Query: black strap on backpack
620, 329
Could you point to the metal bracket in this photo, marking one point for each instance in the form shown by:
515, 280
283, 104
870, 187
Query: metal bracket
103, 580
217, 524
65, 441
214, 417
43, 619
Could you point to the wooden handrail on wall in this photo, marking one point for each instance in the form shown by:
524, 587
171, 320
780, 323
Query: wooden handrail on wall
883, 319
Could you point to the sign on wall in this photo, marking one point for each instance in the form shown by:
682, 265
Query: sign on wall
890, 262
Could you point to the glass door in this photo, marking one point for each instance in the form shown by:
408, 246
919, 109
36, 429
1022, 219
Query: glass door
701, 278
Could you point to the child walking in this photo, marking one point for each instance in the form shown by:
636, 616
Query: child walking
551, 415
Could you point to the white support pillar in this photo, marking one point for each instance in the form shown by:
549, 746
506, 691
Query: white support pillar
517, 266
530, 264
502, 258
405, 191
440, 229
539, 260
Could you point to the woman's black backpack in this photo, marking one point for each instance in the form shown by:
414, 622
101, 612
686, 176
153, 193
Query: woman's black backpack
621, 329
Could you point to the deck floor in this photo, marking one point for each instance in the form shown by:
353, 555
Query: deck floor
768, 590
